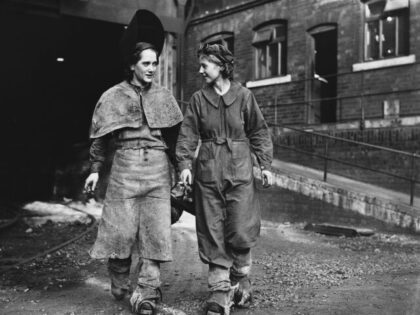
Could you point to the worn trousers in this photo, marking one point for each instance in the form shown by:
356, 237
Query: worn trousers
148, 272
220, 278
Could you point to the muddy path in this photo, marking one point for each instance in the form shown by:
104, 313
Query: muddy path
295, 272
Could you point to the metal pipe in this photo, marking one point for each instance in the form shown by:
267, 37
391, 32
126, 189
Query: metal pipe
368, 145
349, 97
346, 163
413, 179
325, 160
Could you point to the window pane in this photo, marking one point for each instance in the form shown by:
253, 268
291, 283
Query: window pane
263, 36
219, 41
403, 35
375, 8
269, 42
228, 42
261, 62
372, 40
388, 39
225, 41
280, 32
273, 60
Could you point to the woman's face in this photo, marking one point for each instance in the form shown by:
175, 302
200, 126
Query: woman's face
144, 70
209, 70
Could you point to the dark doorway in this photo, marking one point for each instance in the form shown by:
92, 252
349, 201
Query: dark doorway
325, 70
54, 68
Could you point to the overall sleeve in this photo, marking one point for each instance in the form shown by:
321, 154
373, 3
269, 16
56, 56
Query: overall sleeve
97, 154
188, 137
170, 136
258, 134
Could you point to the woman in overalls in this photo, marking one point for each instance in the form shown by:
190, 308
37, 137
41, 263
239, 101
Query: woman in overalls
227, 119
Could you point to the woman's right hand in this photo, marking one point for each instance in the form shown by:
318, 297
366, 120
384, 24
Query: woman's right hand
186, 177
91, 181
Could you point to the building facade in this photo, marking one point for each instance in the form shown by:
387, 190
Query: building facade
319, 63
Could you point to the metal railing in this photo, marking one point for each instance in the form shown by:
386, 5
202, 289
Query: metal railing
326, 157
361, 94
359, 99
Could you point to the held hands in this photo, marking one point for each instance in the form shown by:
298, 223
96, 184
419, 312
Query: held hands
91, 181
267, 178
186, 177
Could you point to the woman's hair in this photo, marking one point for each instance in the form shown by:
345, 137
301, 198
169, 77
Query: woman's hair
219, 55
135, 56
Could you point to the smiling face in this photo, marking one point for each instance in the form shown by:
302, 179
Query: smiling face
209, 70
144, 70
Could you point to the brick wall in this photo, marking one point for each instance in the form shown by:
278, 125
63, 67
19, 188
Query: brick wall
303, 15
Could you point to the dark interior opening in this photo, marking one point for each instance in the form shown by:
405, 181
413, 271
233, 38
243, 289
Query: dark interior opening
47, 102
326, 68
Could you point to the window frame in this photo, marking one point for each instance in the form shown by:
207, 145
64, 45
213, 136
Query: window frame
400, 15
264, 43
221, 38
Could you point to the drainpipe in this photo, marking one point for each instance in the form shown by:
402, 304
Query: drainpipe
180, 46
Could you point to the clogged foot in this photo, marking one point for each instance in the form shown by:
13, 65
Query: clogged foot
243, 294
163, 309
148, 307
119, 293
145, 307
214, 309
147, 301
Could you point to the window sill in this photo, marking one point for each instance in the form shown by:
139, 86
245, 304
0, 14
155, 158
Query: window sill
270, 81
384, 63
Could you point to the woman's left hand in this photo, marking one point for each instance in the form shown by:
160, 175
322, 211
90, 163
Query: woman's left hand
267, 178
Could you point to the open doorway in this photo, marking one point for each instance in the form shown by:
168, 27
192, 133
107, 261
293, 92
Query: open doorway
54, 68
324, 70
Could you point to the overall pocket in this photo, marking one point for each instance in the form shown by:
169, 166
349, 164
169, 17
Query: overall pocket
242, 163
206, 164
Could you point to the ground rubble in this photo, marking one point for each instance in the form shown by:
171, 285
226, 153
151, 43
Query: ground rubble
295, 271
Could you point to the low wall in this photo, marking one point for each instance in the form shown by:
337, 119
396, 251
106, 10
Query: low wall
400, 138
367, 204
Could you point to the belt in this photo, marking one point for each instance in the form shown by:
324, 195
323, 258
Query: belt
228, 141
138, 144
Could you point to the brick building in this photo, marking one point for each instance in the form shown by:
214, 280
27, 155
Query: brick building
335, 64
347, 68
60, 55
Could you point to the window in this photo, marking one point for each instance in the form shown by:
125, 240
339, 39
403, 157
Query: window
166, 71
270, 50
223, 38
386, 29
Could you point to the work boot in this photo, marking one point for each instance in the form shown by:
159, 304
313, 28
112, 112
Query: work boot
148, 301
219, 302
242, 296
119, 272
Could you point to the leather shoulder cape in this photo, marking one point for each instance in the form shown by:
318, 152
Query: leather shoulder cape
122, 106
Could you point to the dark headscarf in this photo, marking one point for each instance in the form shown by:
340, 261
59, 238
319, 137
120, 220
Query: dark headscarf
220, 55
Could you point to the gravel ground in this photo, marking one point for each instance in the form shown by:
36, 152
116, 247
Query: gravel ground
295, 272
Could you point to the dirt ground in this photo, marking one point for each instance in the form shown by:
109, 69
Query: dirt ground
295, 272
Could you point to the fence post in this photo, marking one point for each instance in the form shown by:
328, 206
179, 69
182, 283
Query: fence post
275, 111
325, 159
413, 177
